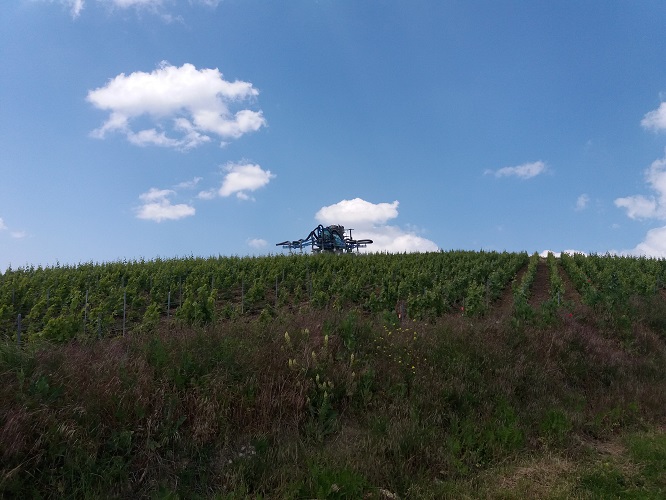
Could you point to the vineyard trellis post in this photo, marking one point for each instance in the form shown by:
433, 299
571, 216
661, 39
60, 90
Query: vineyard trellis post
85, 313
124, 309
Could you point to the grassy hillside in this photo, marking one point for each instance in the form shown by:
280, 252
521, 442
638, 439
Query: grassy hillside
547, 380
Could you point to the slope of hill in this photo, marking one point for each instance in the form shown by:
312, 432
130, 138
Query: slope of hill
454, 374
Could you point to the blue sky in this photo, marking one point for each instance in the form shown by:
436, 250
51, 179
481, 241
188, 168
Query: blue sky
135, 129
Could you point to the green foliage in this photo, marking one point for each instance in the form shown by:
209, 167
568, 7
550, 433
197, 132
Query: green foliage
521, 292
330, 483
349, 330
556, 281
475, 300
151, 318
198, 309
203, 290
323, 417
641, 474
555, 427
474, 442
614, 419
61, 328
607, 481
255, 294
650, 452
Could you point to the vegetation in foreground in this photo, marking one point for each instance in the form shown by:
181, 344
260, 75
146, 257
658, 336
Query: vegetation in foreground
338, 406
532, 398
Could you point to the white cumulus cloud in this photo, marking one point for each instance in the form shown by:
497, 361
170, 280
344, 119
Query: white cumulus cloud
369, 220
2, 224
651, 206
240, 178
524, 171
186, 106
357, 212
654, 244
648, 207
157, 206
656, 119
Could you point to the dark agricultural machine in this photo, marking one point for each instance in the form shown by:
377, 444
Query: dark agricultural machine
329, 239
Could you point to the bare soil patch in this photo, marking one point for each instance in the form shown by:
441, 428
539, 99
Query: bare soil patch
540, 291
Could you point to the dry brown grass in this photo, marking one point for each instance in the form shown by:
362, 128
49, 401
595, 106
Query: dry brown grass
549, 476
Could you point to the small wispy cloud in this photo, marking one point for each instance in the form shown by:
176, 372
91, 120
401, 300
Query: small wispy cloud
13, 233
157, 206
158, 7
208, 194
257, 243
524, 171
582, 202
189, 184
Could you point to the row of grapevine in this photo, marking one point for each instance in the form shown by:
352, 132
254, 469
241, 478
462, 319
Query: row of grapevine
556, 281
62, 301
614, 279
521, 291
622, 290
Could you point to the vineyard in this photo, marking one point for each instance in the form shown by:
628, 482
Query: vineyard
62, 303
439, 375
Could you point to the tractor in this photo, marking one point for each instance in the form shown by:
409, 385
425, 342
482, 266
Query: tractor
330, 239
